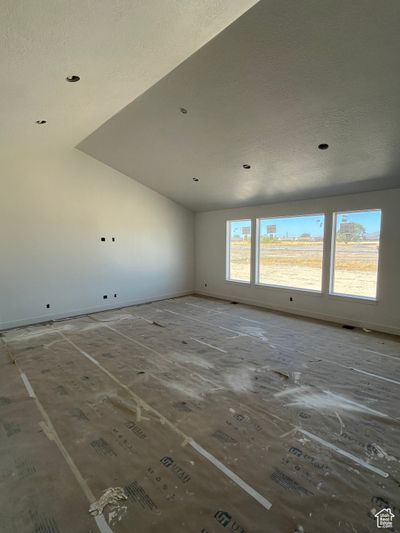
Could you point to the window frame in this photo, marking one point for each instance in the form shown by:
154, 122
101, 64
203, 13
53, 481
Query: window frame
228, 250
340, 295
257, 255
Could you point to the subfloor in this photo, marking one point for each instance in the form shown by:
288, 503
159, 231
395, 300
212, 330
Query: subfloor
203, 417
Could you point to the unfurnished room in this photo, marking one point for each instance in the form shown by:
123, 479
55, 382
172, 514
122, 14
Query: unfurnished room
200, 266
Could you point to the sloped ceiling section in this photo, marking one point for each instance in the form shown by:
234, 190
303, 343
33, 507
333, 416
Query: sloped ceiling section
119, 48
282, 79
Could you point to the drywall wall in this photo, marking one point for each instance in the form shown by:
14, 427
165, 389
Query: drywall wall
382, 315
54, 209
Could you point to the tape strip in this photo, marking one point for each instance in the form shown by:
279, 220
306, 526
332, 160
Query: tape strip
28, 386
350, 456
209, 345
376, 376
102, 524
242, 484
360, 405
231, 475
53, 436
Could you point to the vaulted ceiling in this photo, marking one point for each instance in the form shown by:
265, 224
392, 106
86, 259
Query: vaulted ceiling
119, 48
282, 79
264, 83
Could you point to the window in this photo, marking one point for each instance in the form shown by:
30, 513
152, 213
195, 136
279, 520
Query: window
355, 253
238, 250
290, 251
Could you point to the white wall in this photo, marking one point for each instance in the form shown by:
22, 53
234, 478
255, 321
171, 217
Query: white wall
383, 315
53, 211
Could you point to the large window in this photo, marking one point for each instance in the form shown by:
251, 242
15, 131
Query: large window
238, 265
355, 253
290, 251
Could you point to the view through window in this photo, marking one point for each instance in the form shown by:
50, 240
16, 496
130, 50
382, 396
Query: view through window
239, 250
290, 251
356, 253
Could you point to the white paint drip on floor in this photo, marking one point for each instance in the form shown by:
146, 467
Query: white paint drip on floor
320, 400
189, 358
294, 390
240, 381
355, 404
342, 426
193, 390
258, 333
296, 377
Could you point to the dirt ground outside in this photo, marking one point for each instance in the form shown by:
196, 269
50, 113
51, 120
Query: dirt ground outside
299, 264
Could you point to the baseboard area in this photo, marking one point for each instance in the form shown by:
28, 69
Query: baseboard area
304, 313
30, 321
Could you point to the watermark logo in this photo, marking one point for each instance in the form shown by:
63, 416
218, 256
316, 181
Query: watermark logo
384, 519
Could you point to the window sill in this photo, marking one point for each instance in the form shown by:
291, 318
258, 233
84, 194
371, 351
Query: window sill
311, 292
355, 299
238, 282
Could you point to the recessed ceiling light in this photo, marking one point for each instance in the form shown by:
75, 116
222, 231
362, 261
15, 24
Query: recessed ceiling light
323, 146
73, 78
41, 121
195, 179
246, 166
183, 111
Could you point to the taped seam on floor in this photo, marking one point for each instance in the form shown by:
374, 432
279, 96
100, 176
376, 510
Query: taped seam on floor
209, 345
231, 475
192, 372
137, 398
383, 354
375, 375
203, 322
325, 360
52, 435
202, 307
347, 454
28, 386
236, 479
102, 524
257, 337
354, 458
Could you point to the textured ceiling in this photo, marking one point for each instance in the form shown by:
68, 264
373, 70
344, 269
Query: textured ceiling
120, 48
283, 78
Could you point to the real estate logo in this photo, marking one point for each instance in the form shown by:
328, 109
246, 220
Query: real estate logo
384, 519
